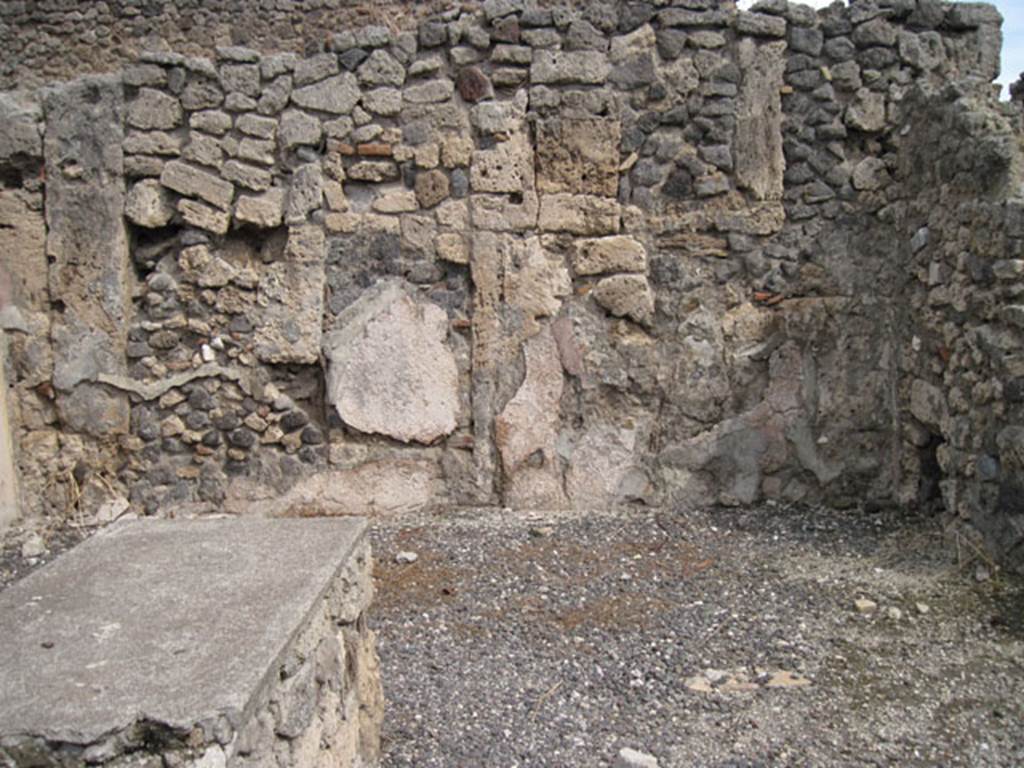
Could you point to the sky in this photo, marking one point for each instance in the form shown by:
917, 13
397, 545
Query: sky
1013, 35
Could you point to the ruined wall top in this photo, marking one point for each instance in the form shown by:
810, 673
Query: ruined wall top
48, 40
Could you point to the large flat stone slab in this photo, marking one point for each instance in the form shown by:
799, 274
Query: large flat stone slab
178, 624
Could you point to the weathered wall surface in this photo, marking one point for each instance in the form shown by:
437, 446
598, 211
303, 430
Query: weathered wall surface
537, 256
48, 40
962, 241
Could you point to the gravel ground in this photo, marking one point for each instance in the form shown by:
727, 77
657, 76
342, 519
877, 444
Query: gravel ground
719, 638
714, 638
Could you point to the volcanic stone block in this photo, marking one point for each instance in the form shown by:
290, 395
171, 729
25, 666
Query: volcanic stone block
154, 109
336, 95
431, 188
579, 156
20, 116
867, 111
87, 246
381, 68
390, 370
206, 643
473, 85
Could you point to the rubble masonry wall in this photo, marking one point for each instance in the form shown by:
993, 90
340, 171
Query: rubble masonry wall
525, 255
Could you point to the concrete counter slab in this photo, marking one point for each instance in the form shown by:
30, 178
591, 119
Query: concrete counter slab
177, 625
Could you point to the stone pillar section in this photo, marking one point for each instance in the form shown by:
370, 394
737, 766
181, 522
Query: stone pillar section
760, 162
87, 246
8, 476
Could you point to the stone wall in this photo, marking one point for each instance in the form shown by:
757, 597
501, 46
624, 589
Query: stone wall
536, 256
962, 386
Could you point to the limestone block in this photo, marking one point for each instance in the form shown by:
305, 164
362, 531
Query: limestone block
580, 156
604, 469
626, 296
620, 253
508, 167
453, 214
535, 282
266, 210
456, 151
579, 214
204, 150
203, 216
390, 370
499, 213
291, 300
395, 201
194, 182
760, 162
563, 67
452, 247
633, 58
257, 151
337, 95
386, 487
258, 126
23, 267
526, 430
682, 76
154, 110
149, 205
153, 143
9, 504
248, 176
